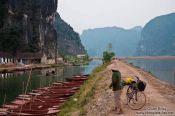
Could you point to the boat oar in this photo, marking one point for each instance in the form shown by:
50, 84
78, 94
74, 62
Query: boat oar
4, 98
26, 88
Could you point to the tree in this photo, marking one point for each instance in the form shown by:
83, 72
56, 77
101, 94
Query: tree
109, 47
107, 56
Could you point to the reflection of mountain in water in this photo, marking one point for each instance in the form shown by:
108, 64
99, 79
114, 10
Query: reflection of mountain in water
163, 69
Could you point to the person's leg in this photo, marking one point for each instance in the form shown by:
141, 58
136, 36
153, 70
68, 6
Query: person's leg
115, 100
117, 95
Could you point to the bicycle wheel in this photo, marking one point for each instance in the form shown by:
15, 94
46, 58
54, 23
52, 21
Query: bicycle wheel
136, 100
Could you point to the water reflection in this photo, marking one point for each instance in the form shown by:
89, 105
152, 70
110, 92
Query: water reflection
13, 84
163, 69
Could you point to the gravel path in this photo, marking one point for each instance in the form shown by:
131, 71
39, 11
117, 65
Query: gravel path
160, 97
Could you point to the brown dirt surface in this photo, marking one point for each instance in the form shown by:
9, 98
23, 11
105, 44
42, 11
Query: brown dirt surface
160, 96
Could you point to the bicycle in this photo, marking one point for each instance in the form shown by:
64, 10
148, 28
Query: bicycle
136, 99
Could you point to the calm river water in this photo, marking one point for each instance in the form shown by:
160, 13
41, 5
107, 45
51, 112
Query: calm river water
162, 69
13, 84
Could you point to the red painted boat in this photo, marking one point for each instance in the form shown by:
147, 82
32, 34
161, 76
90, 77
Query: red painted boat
77, 78
46, 100
40, 106
33, 112
11, 106
53, 95
20, 102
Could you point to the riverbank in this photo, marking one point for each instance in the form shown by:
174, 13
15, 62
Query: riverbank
160, 95
150, 58
12, 68
6, 69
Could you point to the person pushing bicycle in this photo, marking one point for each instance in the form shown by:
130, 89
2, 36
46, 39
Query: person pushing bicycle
116, 87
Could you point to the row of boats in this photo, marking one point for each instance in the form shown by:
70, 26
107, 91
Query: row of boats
45, 101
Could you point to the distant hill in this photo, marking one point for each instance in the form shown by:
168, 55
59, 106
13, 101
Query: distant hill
68, 40
124, 41
158, 37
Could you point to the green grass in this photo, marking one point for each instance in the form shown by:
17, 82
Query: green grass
84, 95
56, 65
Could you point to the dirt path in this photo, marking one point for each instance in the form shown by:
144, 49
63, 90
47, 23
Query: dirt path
160, 97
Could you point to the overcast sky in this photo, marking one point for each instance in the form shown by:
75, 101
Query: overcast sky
85, 14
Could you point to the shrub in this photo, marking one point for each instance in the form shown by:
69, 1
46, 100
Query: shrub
107, 56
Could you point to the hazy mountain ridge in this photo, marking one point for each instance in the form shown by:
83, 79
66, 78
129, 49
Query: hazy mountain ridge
158, 37
124, 41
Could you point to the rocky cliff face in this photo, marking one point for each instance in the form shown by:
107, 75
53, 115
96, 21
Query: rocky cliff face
35, 20
69, 42
158, 37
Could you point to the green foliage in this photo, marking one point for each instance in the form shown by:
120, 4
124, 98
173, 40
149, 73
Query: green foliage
56, 65
19, 15
109, 47
85, 60
107, 56
10, 38
69, 37
70, 58
75, 60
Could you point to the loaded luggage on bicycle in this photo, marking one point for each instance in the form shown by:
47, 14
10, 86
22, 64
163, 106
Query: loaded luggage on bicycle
136, 99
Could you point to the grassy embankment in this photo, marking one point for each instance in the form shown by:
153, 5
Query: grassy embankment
86, 92
56, 65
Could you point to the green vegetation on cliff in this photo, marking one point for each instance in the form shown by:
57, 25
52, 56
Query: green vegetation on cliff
68, 40
2, 12
9, 41
35, 19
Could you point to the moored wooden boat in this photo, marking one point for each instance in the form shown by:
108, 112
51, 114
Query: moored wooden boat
46, 100
3, 111
29, 112
20, 102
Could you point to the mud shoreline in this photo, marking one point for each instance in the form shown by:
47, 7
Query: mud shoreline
150, 58
9, 69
